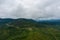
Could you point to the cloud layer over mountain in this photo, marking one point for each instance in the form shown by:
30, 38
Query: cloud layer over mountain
30, 9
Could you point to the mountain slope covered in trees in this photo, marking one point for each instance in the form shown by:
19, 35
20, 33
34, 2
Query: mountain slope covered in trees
28, 29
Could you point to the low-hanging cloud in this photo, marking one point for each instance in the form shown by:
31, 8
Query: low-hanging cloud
31, 9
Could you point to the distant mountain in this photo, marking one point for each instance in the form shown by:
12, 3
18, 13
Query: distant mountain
52, 22
6, 20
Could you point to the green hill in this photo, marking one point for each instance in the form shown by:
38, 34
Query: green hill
24, 29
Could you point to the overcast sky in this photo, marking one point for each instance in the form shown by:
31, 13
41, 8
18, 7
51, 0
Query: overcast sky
31, 9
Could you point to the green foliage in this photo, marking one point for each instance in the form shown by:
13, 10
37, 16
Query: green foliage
29, 30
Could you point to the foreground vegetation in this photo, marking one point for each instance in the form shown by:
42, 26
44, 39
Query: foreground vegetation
29, 30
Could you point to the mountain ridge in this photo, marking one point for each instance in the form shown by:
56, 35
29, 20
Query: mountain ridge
55, 21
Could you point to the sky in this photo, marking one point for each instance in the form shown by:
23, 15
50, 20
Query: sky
30, 9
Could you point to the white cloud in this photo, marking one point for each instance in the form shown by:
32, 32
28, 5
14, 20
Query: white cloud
30, 9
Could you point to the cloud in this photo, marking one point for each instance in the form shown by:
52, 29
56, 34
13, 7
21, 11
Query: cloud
31, 9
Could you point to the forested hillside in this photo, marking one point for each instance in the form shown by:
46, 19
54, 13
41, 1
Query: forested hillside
28, 29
